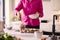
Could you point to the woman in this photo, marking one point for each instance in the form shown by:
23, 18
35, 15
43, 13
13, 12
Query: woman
32, 10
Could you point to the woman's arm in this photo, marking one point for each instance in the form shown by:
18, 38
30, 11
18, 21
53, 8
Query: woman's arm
18, 7
17, 10
40, 9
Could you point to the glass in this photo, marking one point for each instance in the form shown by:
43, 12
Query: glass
38, 34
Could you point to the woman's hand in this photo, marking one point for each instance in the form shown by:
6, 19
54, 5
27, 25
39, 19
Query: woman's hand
18, 15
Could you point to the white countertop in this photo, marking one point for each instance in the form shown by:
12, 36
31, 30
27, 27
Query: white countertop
23, 36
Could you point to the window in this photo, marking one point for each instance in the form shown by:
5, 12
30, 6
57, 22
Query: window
2, 10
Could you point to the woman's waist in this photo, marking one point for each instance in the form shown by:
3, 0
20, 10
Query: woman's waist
31, 22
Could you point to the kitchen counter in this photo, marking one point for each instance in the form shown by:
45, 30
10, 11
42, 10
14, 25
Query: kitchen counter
23, 36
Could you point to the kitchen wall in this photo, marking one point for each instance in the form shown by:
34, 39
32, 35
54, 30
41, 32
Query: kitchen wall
49, 7
49, 10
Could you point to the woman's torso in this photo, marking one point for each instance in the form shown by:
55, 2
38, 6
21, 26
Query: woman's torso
30, 7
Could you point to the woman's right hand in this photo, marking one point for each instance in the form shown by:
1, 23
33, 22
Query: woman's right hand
18, 15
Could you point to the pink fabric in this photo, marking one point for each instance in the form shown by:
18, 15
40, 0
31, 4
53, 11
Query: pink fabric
30, 8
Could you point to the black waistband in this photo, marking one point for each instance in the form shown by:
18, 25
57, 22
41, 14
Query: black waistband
36, 27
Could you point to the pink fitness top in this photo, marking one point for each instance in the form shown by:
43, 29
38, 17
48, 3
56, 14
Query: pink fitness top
30, 7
